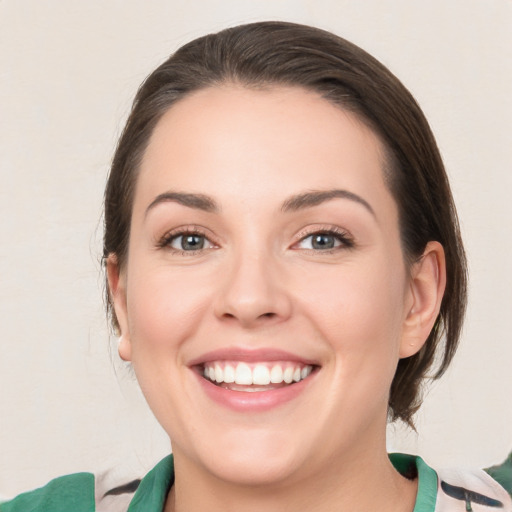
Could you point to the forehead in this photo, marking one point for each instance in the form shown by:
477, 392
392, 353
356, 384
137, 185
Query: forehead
242, 144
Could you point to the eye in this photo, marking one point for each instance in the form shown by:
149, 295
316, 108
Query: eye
324, 241
187, 242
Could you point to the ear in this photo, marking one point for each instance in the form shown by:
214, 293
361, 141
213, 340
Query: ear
117, 290
428, 281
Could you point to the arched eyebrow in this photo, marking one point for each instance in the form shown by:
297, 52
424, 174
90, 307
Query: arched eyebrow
293, 203
316, 197
197, 201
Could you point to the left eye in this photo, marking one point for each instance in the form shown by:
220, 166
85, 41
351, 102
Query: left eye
189, 242
321, 241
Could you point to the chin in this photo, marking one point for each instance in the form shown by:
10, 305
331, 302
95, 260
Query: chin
250, 469
252, 457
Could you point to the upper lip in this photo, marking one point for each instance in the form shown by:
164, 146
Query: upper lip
250, 356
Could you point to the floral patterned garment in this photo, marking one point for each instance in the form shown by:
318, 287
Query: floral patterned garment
438, 491
467, 491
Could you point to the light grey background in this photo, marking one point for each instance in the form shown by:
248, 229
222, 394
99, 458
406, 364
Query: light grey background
68, 72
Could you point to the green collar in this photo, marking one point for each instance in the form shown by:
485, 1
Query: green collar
152, 491
71, 492
427, 479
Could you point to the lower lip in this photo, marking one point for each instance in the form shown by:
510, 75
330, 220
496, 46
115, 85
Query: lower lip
253, 401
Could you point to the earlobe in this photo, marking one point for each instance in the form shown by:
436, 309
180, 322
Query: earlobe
124, 348
428, 281
117, 292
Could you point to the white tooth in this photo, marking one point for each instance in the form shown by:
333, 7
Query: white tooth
276, 374
243, 374
296, 374
251, 389
211, 373
261, 375
219, 374
288, 375
229, 374
305, 371
205, 372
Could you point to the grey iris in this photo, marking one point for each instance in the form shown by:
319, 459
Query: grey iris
192, 242
322, 241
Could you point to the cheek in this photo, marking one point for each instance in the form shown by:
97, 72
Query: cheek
165, 305
359, 310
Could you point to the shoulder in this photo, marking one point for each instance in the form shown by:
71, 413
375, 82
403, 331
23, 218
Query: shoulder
64, 494
455, 490
107, 491
502, 473
471, 490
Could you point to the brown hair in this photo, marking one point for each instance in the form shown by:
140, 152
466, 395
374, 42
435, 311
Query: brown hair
277, 53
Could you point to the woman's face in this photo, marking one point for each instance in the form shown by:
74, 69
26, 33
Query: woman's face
264, 248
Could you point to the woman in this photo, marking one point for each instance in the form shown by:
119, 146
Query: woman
284, 264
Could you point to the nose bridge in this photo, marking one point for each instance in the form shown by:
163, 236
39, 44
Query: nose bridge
253, 291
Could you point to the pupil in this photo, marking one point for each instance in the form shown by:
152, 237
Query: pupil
323, 242
192, 242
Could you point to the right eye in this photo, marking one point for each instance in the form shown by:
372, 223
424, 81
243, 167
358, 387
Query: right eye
186, 242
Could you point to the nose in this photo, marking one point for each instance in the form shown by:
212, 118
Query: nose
254, 293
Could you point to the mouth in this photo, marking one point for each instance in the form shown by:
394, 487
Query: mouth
254, 380
255, 376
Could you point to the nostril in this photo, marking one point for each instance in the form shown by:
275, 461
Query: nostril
250, 320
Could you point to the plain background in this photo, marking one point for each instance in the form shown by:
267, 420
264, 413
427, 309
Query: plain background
68, 72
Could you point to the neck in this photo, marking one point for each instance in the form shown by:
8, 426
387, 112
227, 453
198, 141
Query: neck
360, 482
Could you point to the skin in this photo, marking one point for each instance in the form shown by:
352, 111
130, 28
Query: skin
259, 283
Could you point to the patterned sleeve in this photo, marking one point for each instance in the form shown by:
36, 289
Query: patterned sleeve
502, 473
475, 491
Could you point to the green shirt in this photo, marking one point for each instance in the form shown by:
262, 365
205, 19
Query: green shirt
448, 492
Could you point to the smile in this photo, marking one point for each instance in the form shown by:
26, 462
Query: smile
254, 381
260, 376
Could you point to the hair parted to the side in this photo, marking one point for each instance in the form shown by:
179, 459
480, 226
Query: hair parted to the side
270, 54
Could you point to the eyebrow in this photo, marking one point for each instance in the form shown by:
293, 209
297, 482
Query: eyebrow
293, 203
197, 201
316, 197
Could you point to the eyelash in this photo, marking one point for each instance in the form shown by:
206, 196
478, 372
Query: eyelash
343, 237
166, 241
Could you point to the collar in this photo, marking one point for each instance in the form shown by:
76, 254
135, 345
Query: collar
152, 491
411, 465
